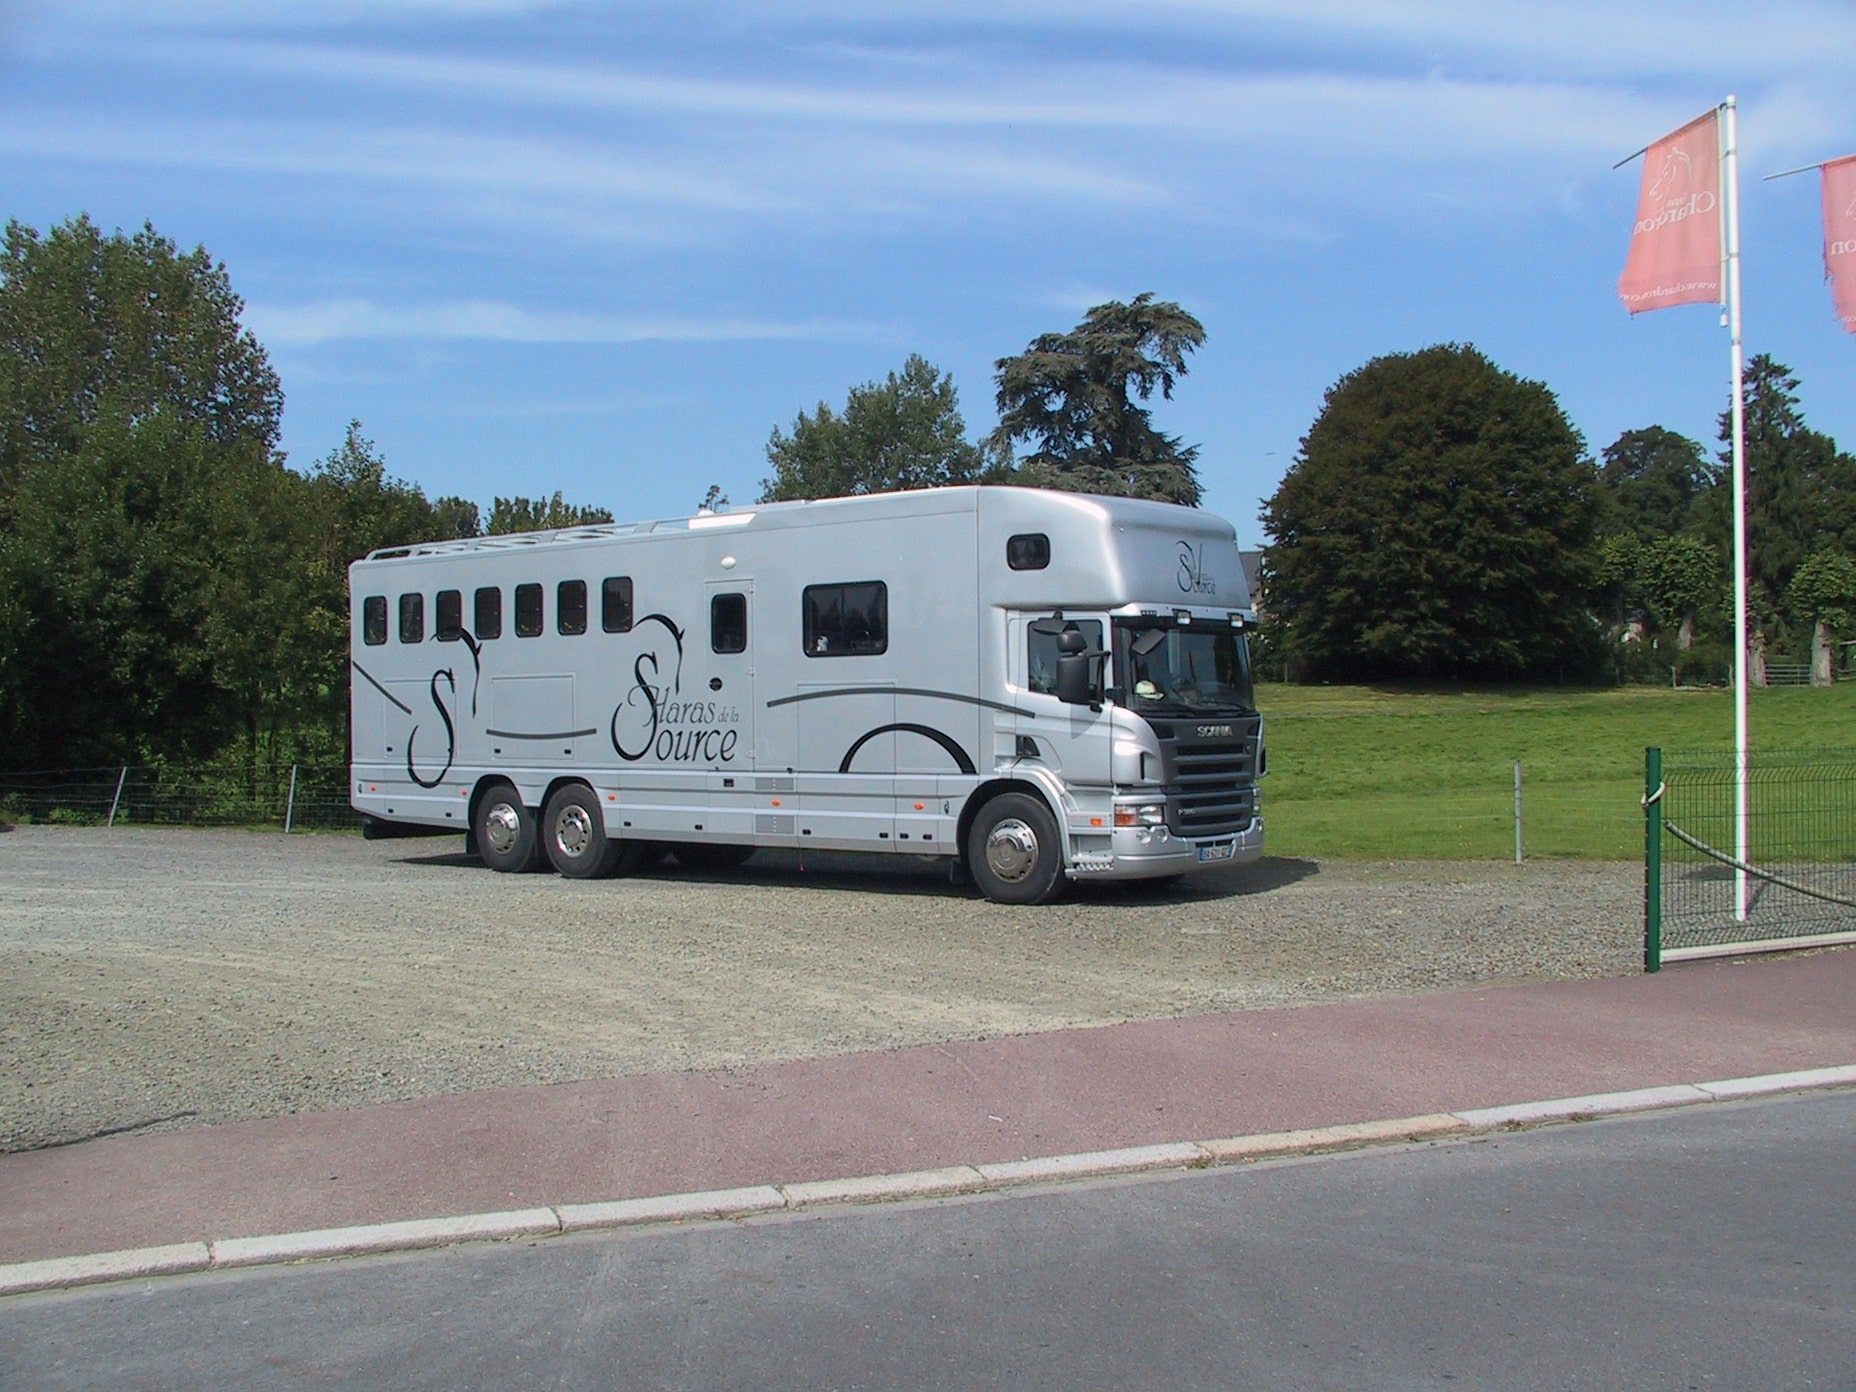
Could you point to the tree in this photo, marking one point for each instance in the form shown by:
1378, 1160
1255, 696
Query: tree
540, 515
1618, 578
1822, 595
1652, 480
1800, 490
121, 327
349, 505
1680, 578
1073, 395
1438, 521
146, 521
901, 433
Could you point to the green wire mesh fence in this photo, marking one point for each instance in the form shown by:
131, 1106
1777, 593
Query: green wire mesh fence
291, 797
1795, 884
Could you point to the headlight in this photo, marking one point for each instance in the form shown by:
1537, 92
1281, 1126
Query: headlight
1132, 814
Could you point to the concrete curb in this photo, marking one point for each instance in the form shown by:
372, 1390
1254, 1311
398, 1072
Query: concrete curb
719, 1205
386, 1237
671, 1208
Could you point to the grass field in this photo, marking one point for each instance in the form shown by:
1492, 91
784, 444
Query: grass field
1402, 772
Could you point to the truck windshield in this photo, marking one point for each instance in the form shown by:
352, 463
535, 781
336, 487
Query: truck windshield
1164, 668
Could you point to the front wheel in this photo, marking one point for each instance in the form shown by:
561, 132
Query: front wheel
505, 831
1014, 852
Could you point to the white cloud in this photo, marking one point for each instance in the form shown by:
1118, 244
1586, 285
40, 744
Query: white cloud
328, 321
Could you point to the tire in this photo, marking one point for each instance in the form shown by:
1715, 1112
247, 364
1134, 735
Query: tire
1015, 851
708, 855
504, 830
573, 836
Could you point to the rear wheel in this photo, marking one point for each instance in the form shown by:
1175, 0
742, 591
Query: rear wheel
573, 833
505, 830
1013, 851
706, 855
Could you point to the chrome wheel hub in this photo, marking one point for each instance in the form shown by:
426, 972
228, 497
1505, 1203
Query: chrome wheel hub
573, 832
502, 828
1011, 850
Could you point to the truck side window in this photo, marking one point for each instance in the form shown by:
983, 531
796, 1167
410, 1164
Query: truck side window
728, 623
615, 604
450, 626
412, 618
1028, 551
489, 613
846, 620
1041, 650
570, 606
528, 611
374, 620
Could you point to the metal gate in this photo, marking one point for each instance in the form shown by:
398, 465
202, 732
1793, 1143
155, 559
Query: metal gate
1784, 877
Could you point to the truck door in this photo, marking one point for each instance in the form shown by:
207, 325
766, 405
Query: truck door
1072, 740
720, 713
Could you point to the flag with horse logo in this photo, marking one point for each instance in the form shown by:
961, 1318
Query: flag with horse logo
1840, 237
1675, 244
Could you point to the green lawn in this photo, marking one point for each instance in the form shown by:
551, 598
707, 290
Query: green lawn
1403, 772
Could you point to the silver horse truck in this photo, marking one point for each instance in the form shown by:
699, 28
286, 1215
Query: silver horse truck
1044, 687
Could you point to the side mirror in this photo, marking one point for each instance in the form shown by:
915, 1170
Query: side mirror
1078, 680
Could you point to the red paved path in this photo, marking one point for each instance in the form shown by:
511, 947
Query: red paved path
1073, 1090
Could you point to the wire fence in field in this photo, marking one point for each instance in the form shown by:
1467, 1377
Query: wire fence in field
290, 797
1795, 885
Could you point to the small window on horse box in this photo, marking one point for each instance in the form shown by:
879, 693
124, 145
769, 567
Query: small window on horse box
528, 611
450, 616
845, 620
570, 606
489, 616
1028, 551
615, 604
374, 620
728, 623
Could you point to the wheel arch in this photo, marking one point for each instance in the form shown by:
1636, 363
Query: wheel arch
991, 789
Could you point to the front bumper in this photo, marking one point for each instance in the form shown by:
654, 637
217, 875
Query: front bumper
1144, 853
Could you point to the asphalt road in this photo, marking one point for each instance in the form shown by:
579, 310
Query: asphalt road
1703, 1248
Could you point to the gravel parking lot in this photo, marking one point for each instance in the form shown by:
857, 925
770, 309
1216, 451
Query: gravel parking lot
154, 979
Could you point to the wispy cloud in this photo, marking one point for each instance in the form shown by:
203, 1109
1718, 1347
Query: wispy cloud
961, 91
329, 321
321, 148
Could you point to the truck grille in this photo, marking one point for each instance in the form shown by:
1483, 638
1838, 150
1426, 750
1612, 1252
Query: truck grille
1211, 787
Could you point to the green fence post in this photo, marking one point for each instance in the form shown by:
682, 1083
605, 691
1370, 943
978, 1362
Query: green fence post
1652, 859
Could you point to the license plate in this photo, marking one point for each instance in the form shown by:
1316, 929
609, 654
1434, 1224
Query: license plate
1218, 850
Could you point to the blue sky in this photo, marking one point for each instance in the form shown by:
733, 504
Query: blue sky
606, 248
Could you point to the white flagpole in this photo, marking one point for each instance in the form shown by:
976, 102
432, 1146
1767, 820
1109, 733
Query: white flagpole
1730, 185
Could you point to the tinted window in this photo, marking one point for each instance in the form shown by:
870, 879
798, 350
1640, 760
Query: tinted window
728, 623
374, 620
489, 613
570, 606
528, 611
412, 618
615, 604
846, 620
450, 616
1030, 551
1042, 652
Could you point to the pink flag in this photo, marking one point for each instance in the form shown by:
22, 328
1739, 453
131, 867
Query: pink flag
1675, 247
1840, 236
